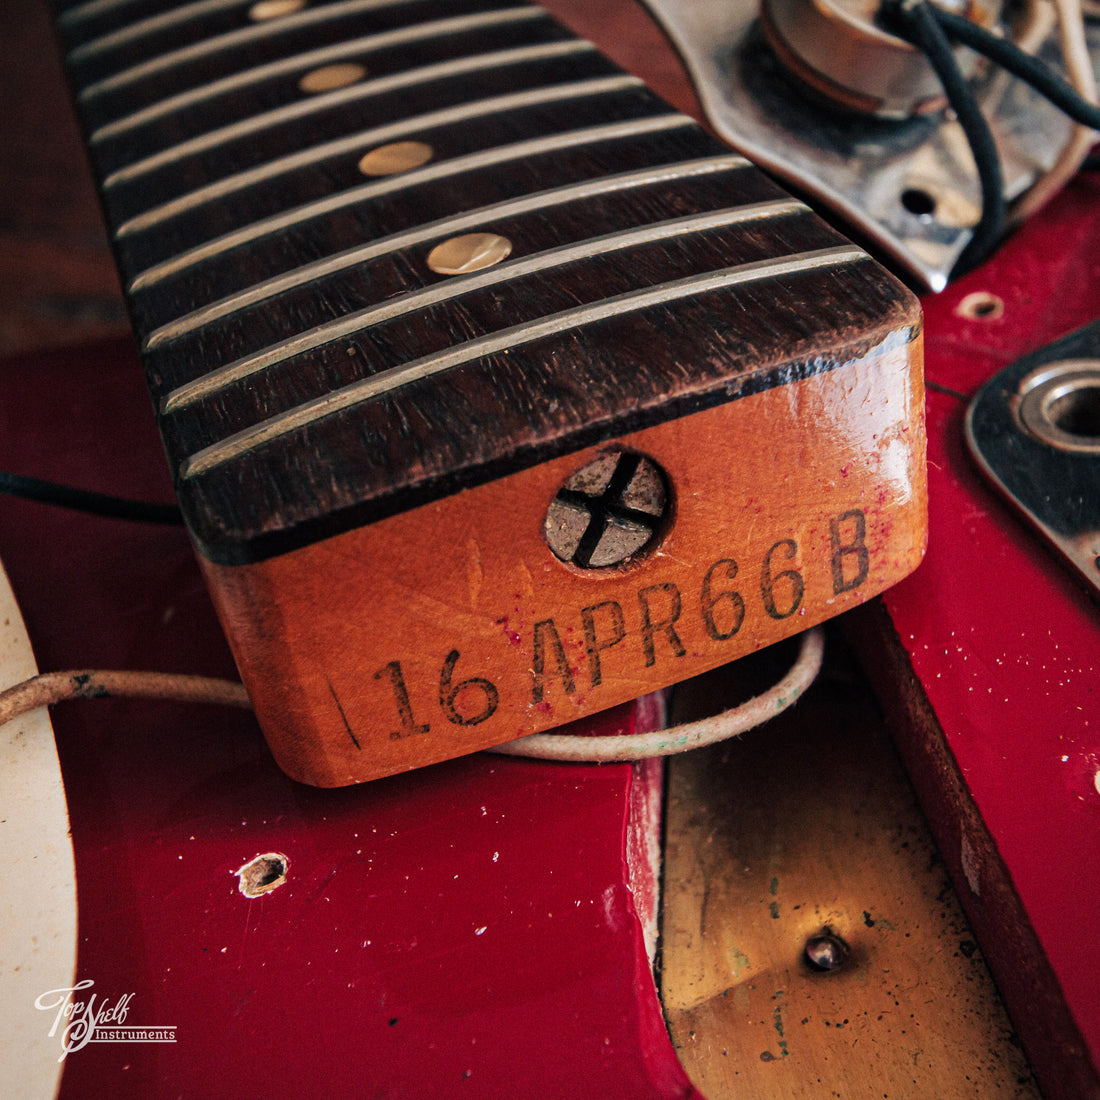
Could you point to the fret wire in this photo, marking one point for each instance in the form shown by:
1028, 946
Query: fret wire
149, 25
484, 159
357, 322
230, 39
308, 413
556, 93
438, 28
303, 108
78, 13
444, 227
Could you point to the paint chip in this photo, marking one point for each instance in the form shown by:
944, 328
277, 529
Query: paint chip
263, 874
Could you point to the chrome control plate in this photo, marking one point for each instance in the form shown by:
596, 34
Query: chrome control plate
909, 187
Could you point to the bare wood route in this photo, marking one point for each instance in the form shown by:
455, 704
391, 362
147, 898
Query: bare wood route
806, 832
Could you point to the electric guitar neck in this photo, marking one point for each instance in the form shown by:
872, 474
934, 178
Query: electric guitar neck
495, 391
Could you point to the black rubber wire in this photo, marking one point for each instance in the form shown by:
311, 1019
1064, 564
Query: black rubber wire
931, 29
918, 23
1029, 69
82, 500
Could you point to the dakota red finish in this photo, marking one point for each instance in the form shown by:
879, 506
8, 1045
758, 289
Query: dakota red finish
464, 930
368, 972
1004, 642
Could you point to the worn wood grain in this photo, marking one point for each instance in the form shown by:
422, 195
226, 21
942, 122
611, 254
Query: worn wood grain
805, 825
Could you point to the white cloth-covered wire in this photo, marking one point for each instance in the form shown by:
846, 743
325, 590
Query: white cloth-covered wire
690, 735
57, 687
51, 688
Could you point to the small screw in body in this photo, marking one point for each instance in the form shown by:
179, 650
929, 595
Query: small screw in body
826, 951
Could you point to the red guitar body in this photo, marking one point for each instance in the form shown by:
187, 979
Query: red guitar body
477, 928
471, 927
467, 927
998, 717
